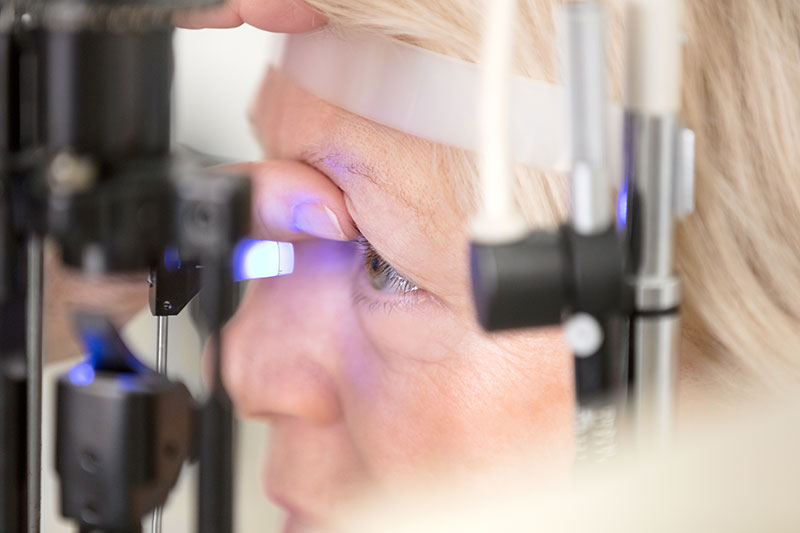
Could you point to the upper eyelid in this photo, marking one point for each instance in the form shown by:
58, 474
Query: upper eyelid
336, 163
323, 160
320, 159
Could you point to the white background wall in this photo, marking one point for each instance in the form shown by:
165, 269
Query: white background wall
216, 75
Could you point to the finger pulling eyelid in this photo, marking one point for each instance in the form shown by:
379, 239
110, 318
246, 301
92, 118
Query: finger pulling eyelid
292, 199
317, 219
338, 165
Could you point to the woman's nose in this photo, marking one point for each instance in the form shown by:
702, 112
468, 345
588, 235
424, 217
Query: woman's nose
283, 346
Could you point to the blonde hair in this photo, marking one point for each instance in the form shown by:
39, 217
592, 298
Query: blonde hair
739, 253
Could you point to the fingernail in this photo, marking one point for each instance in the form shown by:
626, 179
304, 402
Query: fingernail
318, 220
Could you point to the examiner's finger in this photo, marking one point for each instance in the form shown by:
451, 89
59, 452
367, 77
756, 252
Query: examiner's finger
293, 201
285, 16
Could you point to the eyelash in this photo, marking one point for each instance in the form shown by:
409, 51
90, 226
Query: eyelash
375, 265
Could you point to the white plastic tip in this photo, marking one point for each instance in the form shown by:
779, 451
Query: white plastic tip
254, 259
584, 334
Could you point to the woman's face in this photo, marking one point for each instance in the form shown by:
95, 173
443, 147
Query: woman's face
367, 361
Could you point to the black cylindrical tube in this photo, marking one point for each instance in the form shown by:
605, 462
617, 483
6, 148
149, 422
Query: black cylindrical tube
600, 377
13, 430
520, 284
107, 93
105, 98
215, 484
9, 97
215, 501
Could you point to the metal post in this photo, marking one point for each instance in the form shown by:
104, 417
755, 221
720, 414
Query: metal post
652, 103
584, 30
34, 354
655, 289
162, 329
585, 73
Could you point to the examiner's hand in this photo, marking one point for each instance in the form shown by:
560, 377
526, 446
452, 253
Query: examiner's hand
293, 201
286, 16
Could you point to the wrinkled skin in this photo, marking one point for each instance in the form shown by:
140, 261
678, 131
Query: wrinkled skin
365, 383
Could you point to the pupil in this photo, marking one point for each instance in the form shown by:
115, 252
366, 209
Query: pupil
375, 264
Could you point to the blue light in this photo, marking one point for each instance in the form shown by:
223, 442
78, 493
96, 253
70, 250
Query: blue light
95, 347
253, 259
81, 374
111, 354
172, 261
622, 206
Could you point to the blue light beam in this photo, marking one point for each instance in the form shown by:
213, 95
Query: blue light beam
622, 206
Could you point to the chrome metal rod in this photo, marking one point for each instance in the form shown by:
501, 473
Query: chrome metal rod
155, 521
33, 345
587, 110
655, 353
162, 330
655, 289
651, 141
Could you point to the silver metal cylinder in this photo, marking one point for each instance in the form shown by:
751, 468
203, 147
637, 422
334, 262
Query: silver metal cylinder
155, 520
162, 330
653, 288
587, 110
650, 168
655, 353
33, 345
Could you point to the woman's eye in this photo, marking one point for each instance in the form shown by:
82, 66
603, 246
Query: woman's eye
382, 276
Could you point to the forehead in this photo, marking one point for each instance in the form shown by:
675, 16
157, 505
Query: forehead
353, 151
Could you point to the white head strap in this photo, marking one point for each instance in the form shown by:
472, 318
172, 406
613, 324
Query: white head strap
427, 94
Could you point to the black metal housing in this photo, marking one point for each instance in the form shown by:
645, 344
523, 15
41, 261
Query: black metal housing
595, 270
600, 375
541, 279
520, 284
544, 278
121, 442
597, 290
171, 289
107, 94
13, 429
123, 432
105, 101
121, 224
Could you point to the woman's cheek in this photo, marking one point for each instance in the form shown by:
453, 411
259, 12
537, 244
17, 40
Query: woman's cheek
406, 336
